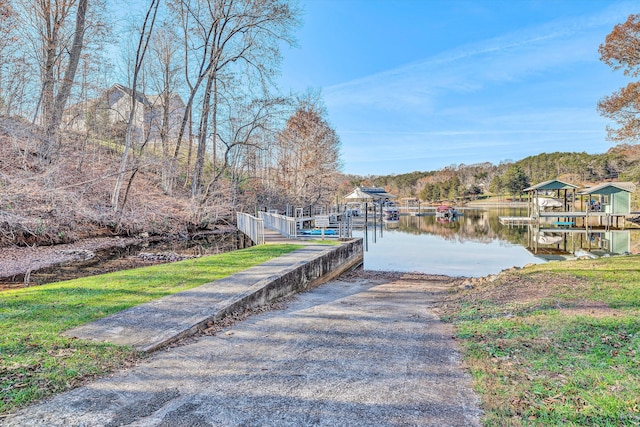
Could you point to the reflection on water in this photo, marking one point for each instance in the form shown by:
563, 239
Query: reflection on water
476, 244
559, 244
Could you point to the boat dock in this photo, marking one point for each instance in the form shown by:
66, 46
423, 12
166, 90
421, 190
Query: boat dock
517, 220
565, 219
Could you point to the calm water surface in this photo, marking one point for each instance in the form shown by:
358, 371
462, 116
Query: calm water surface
476, 244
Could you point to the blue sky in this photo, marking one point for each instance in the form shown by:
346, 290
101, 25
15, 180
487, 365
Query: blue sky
418, 85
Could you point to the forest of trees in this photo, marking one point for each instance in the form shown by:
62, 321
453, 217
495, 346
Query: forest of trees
235, 142
468, 182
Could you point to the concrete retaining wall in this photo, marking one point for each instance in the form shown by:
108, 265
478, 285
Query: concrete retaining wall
296, 278
150, 326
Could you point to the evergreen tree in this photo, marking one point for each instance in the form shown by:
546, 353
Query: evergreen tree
515, 180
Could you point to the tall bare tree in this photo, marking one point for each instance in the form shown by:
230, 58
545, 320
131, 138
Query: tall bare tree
621, 50
7, 38
243, 134
164, 70
308, 157
55, 38
223, 38
60, 26
146, 32
12, 76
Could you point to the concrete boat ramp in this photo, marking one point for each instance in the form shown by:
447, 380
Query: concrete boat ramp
155, 324
363, 352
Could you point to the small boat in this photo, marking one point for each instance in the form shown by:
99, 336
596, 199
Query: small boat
390, 214
446, 211
318, 232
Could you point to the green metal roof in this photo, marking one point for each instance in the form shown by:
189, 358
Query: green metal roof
554, 184
602, 188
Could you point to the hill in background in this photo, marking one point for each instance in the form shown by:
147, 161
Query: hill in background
469, 182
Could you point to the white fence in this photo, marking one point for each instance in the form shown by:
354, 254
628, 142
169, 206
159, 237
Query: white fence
282, 224
251, 226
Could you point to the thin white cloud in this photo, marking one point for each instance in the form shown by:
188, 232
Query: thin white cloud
511, 57
420, 83
487, 101
469, 132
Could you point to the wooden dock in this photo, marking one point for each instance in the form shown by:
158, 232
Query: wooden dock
605, 219
517, 220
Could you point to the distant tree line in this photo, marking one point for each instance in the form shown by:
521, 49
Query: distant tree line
468, 182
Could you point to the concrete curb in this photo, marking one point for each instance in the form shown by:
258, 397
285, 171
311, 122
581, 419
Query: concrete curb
153, 325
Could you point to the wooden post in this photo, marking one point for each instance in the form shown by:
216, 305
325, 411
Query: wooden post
366, 215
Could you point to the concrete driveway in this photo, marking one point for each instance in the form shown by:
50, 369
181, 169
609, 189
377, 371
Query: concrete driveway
360, 351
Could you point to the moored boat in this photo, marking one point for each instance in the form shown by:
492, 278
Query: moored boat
446, 211
318, 232
390, 214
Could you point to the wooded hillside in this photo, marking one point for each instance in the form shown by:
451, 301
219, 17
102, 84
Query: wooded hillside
469, 182
45, 203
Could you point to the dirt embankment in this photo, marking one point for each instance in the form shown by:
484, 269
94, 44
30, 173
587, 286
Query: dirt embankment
60, 211
68, 199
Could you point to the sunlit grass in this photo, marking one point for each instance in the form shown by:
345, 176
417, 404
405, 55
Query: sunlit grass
330, 242
36, 361
568, 358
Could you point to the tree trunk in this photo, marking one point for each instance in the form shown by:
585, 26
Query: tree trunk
198, 169
142, 48
54, 116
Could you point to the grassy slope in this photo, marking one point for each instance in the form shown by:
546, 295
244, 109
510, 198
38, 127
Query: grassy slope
35, 361
555, 344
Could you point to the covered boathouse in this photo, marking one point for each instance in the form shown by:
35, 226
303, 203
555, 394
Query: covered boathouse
370, 194
609, 200
561, 204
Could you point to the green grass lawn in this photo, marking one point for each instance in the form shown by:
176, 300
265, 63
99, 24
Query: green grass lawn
35, 361
556, 344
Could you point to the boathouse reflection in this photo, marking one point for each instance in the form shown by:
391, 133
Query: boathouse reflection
561, 243
543, 240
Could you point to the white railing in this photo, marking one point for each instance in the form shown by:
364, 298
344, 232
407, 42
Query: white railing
251, 226
282, 224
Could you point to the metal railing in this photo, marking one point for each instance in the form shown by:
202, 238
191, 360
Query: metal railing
282, 224
251, 226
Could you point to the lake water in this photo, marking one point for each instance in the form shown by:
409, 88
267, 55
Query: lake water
476, 244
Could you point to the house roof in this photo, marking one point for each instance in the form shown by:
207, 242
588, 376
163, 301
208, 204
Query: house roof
370, 193
554, 184
140, 97
598, 189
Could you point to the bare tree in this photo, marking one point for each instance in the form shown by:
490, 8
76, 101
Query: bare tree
143, 43
222, 36
244, 130
55, 37
8, 39
61, 45
164, 71
308, 156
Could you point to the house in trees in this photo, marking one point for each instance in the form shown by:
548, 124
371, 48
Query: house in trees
107, 116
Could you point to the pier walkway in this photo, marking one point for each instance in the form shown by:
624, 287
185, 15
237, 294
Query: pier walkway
604, 219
